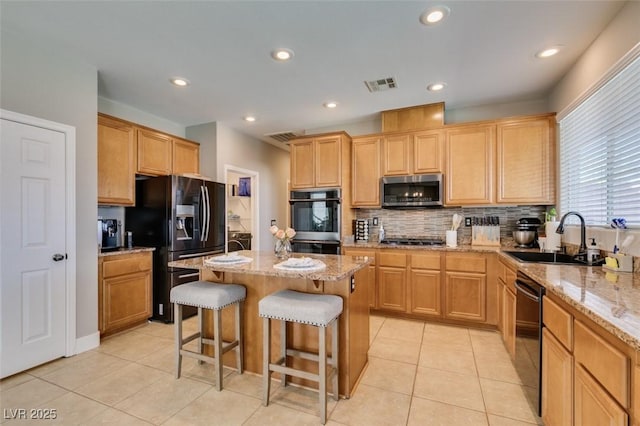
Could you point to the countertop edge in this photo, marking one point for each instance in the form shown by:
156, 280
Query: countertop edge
122, 251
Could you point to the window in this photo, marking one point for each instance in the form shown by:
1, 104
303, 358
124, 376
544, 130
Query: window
600, 152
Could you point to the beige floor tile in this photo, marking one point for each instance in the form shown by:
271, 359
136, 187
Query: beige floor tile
73, 409
86, 370
44, 369
227, 408
485, 337
279, 415
299, 398
498, 367
165, 398
111, 416
447, 336
490, 350
401, 329
248, 384
163, 359
450, 388
508, 400
395, 350
390, 375
432, 413
503, 421
121, 384
135, 346
15, 380
447, 358
31, 394
156, 329
375, 322
372, 406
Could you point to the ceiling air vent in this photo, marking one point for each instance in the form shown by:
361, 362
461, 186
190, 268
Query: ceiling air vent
381, 84
285, 137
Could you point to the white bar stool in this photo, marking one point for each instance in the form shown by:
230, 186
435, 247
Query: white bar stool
319, 310
214, 296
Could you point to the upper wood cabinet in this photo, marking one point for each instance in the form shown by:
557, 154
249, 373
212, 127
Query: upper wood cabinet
317, 161
365, 172
413, 118
469, 174
412, 153
116, 162
154, 153
525, 161
186, 157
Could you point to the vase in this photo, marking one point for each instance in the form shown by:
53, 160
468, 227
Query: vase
282, 249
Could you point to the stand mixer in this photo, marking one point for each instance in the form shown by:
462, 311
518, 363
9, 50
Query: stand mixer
526, 233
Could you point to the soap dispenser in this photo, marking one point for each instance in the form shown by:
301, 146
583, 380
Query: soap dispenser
381, 234
593, 253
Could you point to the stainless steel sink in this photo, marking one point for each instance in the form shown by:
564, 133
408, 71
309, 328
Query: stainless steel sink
541, 257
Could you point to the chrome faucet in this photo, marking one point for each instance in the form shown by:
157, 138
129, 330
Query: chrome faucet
582, 251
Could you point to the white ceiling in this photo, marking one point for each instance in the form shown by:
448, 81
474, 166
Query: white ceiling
484, 51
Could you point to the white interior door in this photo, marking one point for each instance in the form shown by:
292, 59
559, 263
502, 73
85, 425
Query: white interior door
33, 251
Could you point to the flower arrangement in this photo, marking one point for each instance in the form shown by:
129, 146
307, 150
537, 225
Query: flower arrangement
283, 244
282, 234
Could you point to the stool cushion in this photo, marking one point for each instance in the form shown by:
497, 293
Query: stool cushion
208, 295
305, 308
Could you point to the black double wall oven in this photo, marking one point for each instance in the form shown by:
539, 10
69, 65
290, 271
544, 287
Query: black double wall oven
315, 215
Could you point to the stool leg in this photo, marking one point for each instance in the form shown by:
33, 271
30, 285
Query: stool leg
322, 372
266, 359
217, 336
335, 354
283, 349
177, 328
239, 338
200, 332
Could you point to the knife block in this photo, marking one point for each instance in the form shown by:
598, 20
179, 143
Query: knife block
485, 235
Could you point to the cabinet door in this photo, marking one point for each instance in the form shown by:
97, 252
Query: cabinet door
469, 176
465, 296
371, 278
593, 405
392, 293
154, 153
328, 161
126, 300
365, 172
509, 324
557, 382
525, 169
396, 154
425, 292
186, 157
302, 173
427, 152
500, 304
116, 162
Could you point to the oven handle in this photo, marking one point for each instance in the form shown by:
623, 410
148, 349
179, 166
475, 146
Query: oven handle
316, 241
204, 253
527, 291
311, 200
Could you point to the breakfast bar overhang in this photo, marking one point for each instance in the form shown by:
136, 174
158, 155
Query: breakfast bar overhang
345, 276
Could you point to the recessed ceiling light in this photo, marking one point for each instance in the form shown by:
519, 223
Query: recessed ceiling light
250, 118
436, 87
179, 81
330, 104
548, 52
282, 54
434, 15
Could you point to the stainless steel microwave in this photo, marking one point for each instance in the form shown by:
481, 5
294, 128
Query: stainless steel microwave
411, 191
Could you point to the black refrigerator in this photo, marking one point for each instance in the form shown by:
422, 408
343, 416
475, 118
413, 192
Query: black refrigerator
181, 217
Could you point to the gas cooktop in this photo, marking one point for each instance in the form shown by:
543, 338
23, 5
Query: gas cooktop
410, 241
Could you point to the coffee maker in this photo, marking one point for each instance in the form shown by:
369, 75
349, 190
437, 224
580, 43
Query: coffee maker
110, 231
526, 233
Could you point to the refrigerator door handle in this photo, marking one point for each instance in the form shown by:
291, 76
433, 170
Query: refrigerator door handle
206, 190
204, 219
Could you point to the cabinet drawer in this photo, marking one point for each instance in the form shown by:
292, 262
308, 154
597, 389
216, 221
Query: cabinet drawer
466, 263
371, 254
425, 261
392, 259
126, 265
558, 321
605, 363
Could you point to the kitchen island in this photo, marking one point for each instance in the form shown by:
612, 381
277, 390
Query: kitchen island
345, 276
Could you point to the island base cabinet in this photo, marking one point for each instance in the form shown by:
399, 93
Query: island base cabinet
593, 405
557, 382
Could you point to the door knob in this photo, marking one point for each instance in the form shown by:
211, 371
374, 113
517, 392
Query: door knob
58, 257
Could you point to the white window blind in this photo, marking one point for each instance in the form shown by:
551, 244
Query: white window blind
600, 152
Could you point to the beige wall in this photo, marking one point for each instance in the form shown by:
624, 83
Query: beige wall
45, 83
206, 134
126, 112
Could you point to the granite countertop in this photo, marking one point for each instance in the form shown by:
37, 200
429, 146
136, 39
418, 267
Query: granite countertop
459, 248
338, 267
123, 250
610, 299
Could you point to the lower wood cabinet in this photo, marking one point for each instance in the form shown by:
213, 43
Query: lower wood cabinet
392, 280
465, 296
509, 317
124, 291
425, 284
557, 381
593, 405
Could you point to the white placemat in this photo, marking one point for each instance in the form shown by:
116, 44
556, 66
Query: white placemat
301, 264
228, 259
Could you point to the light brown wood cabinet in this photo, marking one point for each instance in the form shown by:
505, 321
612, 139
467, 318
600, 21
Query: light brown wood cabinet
412, 118
371, 271
392, 280
465, 290
154, 153
557, 381
525, 160
425, 284
116, 162
365, 172
509, 316
470, 159
124, 291
186, 156
593, 405
412, 153
318, 161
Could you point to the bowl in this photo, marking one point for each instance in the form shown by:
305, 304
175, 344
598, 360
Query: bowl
524, 238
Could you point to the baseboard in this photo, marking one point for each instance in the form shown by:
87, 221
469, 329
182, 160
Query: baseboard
86, 343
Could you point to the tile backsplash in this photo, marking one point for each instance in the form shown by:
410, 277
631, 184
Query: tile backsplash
434, 222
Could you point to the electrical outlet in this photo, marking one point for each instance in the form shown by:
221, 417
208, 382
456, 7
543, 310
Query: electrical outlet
467, 221
273, 222
375, 221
